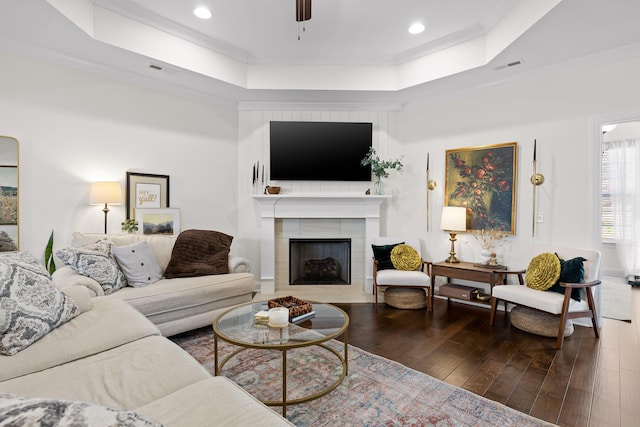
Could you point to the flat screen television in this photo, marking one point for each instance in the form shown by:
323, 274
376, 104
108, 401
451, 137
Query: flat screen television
319, 151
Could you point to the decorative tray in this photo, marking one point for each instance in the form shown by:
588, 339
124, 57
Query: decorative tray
296, 306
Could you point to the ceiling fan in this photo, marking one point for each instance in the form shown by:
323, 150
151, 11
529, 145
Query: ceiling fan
303, 10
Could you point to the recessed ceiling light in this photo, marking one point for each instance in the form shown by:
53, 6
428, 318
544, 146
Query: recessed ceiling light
202, 13
416, 28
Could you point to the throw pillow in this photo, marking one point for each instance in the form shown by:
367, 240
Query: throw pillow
138, 264
404, 257
199, 253
543, 271
18, 410
30, 303
96, 261
382, 254
571, 271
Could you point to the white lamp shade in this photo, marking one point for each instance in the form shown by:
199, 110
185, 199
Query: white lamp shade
454, 218
105, 192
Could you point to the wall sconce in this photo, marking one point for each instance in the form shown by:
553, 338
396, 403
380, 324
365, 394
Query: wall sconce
431, 185
536, 179
454, 219
105, 193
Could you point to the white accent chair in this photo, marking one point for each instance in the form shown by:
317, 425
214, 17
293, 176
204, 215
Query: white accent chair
555, 303
402, 278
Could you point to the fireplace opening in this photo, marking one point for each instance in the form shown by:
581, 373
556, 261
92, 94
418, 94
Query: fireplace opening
320, 261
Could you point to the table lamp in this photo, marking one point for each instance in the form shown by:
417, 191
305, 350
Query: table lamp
107, 193
454, 219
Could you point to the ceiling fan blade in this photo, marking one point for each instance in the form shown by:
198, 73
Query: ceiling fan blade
303, 10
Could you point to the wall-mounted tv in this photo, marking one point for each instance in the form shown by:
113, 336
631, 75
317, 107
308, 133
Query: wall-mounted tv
319, 151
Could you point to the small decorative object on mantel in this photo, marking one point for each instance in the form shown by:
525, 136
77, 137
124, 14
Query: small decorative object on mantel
269, 189
380, 168
297, 307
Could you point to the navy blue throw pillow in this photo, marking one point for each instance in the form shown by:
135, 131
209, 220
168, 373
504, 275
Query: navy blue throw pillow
382, 254
571, 271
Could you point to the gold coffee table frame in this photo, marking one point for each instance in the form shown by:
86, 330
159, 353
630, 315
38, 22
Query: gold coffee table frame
236, 326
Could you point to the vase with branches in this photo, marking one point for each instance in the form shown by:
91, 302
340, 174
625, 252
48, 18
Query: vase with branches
380, 168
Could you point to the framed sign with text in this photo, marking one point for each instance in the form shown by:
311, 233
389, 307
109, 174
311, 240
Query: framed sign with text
146, 191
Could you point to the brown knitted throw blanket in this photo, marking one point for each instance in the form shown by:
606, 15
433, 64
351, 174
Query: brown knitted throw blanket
199, 253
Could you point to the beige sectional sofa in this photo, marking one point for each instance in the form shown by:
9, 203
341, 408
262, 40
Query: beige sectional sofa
174, 305
111, 356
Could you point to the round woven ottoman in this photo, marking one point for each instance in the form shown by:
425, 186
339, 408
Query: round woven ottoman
407, 298
538, 322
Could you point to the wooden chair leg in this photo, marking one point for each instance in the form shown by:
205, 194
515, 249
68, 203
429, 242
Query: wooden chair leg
494, 306
429, 306
594, 315
375, 291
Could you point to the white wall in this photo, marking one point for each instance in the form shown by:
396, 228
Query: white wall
76, 127
555, 110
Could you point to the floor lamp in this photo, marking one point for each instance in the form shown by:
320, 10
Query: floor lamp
454, 219
107, 193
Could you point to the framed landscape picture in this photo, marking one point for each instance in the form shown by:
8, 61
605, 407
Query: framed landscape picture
483, 180
164, 221
146, 191
8, 195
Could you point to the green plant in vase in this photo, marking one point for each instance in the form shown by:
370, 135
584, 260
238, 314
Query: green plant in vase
129, 225
380, 168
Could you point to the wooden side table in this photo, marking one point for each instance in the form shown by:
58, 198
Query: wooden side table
463, 271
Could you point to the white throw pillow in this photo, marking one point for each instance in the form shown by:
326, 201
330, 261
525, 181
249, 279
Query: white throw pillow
24, 411
138, 264
30, 303
96, 261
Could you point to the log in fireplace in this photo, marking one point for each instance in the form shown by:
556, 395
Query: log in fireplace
320, 261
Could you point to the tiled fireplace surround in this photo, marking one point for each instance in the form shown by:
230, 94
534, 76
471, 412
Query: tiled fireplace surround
317, 216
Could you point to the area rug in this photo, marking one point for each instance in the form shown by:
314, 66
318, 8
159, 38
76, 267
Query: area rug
617, 302
376, 391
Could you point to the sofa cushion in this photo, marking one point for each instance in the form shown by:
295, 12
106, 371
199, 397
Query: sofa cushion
138, 264
31, 304
199, 253
89, 333
19, 410
571, 271
95, 260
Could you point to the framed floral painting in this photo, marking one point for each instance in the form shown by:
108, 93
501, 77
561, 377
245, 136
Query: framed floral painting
483, 180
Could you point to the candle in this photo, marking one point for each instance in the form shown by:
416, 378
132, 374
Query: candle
534, 150
253, 174
278, 317
263, 173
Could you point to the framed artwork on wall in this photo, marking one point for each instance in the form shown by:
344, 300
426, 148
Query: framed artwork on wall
165, 221
146, 191
483, 180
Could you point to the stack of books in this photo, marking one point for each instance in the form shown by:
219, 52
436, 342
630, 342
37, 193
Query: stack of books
261, 318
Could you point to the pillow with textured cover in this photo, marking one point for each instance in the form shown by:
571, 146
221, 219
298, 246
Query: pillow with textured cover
382, 254
23, 411
30, 302
199, 253
404, 257
138, 264
571, 271
543, 271
95, 260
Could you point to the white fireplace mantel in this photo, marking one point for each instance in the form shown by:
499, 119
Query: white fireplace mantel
274, 206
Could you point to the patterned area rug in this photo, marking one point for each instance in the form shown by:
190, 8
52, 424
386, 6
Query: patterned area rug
376, 391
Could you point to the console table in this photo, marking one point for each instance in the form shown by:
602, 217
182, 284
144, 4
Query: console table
463, 271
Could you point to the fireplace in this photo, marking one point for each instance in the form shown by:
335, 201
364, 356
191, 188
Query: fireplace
320, 261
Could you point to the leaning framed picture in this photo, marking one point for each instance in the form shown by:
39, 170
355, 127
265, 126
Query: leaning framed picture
483, 180
8, 195
146, 191
164, 221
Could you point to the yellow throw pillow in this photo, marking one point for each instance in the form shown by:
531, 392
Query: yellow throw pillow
404, 257
543, 271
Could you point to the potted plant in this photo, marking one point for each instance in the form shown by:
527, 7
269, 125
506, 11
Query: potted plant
380, 168
129, 225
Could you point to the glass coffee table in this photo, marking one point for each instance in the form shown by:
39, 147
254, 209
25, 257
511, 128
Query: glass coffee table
237, 326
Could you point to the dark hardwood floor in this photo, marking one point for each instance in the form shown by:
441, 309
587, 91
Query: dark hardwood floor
590, 382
